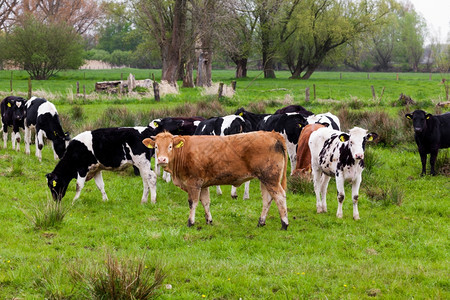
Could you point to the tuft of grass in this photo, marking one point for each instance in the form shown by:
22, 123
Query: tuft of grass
121, 280
77, 113
17, 168
371, 159
442, 165
385, 194
48, 214
300, 184
116, 117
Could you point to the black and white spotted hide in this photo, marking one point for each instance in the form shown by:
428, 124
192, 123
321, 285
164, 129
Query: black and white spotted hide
13, 113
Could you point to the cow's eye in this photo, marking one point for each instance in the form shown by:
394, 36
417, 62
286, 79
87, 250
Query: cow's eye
170, 147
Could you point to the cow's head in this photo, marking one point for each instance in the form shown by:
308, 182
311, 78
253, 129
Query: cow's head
164, 144
57, 186
357, 139
419, 118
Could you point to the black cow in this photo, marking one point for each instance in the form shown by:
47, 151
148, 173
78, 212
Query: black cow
290, 125
90, 152
251, 118
13, 113
43, 117
431, 134
227, 125
294, 108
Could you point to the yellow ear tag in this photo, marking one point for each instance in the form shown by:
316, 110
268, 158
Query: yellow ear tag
180, 144
241, 114
342, 138
150, 146
54, 132
54, 183
300, 125
370, 138
408, 117
156, 124
428, 117
9, 104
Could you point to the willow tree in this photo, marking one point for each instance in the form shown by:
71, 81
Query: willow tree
318, 27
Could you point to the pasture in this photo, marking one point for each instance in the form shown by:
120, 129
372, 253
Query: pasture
399, 249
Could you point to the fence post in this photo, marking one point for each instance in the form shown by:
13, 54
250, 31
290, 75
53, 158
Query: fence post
314, 91
307, 94
220, 89
78, 88
84, 92
397, 76
373, 93
30, 88
233, 85
10, 82
156, 91
368, 75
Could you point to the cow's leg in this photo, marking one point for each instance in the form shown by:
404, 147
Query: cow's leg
234, 192
39, 143
423, 159
55, 156
246, 190
317, 177
193, 197
148, 180
279, 195
166, 176
355, 195
218, 190
80, 186
267, 200
13, 140
157, 168
292, 153
205, 199
5, 136
340, 194
100, 185
324, 180
433, 156
17, 140
27, 139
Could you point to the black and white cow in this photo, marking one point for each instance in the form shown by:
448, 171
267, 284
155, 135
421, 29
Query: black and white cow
431, 134
327, 119
341, 155
113, 149
176, 126
251, 118
227, 125
13, 113
295, 108
290, 126
42, 116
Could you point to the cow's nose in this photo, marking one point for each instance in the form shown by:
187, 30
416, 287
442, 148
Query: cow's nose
417, 129
163, 160
359, 156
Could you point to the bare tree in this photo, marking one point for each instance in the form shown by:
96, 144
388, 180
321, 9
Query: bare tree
7, 13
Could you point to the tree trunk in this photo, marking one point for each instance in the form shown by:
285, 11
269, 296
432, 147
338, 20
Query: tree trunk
241, 68
188, 78
268, 63
204, 74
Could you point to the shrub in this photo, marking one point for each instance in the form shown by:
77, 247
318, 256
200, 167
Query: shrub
442, 165
121, 280
115, 117
77, 113
48, 214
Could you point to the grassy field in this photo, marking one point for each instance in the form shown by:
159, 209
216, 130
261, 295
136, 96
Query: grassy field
399, 249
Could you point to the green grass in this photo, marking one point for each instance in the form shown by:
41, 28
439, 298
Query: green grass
398, 250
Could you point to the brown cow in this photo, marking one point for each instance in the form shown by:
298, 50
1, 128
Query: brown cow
197, 162
303, 167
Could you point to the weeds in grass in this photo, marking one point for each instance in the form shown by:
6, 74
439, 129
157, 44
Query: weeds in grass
116, 117
442, 165
384, 194
300, 184
371, 160
121, 280
77, 113
17, 168
47, 214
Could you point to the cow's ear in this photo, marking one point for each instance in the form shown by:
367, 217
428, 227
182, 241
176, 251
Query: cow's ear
9, 104
372, 136
149, 143
343, 137
67, 136
155, 124
300, 125
178, 142
429, 116
408, 116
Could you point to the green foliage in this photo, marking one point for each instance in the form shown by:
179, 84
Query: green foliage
47, 214
44, 49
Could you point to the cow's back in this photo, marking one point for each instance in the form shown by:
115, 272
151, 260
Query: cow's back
32, 108
444, 129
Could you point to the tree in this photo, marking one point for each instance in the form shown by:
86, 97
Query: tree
7, 10
317, 28
44, 49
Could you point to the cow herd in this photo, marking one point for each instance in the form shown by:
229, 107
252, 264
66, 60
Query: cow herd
197, 153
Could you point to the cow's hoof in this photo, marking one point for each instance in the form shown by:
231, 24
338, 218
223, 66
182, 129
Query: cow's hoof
261, 222
209, 222
339, 216
319, 210
190, 224
234, 197
40, 146
284, 226
356, 217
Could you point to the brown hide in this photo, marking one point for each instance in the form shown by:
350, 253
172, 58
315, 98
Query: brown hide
197, 162
303, 167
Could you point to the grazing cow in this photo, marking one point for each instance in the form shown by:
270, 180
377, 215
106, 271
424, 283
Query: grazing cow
326, 119
431, 134
303, 166
90, 152
289, 125
294, 108
227, 125
338, 154
176, 126
43, 117
197, 162
13, 113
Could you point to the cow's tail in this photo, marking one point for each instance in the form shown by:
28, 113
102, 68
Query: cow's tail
283, 175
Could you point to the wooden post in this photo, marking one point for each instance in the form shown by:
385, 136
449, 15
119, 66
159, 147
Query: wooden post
368, 75
156, 91
30, 88
84, 92
314, 91
233, 85
307, 94
382, 93
78, 88
10, 82
220, 90
153, 77
397, 76
446, 91
373, 93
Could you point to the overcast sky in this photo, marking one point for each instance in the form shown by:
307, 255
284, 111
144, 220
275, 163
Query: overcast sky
437, 15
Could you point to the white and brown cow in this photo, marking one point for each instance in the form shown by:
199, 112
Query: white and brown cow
338, 154
197, 162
